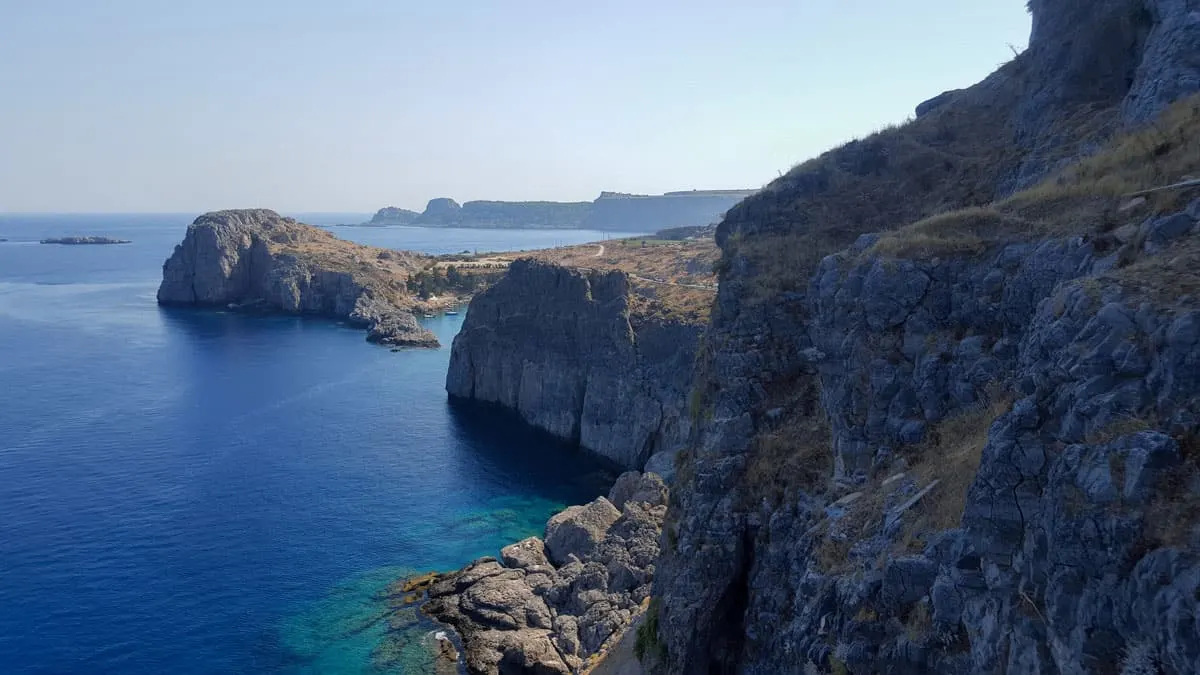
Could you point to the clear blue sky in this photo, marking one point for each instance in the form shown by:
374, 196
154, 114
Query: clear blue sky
350, 105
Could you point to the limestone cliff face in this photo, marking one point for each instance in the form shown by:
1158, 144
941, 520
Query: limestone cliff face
954, 460
257, 259
562, 348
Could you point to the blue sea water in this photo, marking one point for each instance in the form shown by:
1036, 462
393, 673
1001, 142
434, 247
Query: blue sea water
201, 492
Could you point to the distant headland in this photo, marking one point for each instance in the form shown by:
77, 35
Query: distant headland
78, 241
614, 211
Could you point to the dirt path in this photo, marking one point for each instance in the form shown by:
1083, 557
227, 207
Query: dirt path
600, 252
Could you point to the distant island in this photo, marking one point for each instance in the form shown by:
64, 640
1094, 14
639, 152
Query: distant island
613, 211
77, 241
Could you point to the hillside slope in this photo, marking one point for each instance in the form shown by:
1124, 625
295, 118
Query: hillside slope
949, 407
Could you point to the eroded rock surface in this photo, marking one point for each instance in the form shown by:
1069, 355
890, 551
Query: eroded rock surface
974, 460
258, 260
551, 604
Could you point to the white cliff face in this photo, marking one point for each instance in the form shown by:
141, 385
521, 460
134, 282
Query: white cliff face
560, 348
257, 259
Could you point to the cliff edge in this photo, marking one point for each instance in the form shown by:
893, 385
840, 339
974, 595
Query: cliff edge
567, 350
259, 260
949, 400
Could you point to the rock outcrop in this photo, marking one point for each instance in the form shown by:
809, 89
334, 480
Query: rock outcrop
546, 607
258, 260
563, 348
392, 215
968, 446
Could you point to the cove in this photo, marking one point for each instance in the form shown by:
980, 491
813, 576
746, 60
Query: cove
196, 491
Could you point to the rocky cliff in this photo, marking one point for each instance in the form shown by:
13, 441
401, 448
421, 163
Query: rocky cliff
569, 351
259, 260
967, 445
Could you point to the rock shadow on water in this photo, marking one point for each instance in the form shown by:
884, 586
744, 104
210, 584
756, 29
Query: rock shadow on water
496, 439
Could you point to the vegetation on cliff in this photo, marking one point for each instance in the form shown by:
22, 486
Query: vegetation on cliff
946, 404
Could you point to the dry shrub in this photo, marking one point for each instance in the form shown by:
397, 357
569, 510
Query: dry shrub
795, 456
949, 454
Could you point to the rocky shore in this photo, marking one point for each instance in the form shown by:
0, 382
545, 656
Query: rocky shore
550, 604
568, 351
257, 260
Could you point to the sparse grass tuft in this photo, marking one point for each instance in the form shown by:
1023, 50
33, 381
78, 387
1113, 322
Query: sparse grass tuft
949, 454
797, 455
648, 646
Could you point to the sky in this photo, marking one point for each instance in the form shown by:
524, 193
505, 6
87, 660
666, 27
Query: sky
352, 105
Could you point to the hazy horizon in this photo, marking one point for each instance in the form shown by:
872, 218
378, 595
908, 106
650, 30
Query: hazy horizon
133, 107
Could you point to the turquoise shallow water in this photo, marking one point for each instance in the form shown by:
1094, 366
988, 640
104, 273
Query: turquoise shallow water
200, 492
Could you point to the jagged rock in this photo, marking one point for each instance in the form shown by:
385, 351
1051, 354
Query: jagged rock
1159, 232
401, 330
663, 464
562, 348
527, 554
634, 486
257, 259
546, 615
579, 529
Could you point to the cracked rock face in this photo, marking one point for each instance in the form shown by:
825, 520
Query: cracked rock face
1077, 518
258, 260
561, 348
549, 605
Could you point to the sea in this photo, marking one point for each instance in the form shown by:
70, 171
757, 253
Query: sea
197, 491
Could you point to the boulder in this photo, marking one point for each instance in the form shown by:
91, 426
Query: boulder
646, 488
579, 529
527, 554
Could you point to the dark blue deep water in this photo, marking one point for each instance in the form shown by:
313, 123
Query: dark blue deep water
200, 492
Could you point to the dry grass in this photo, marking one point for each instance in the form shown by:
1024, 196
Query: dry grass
656, 273
386, 272
950, 455
795, 455
951, 158
1167, 278
1085, 198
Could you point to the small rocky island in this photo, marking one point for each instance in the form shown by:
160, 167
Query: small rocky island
257, 260
83, 241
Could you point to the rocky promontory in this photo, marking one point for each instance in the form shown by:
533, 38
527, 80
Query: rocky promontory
549, 604
570, 351
83, 241
257, 260
611, 211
